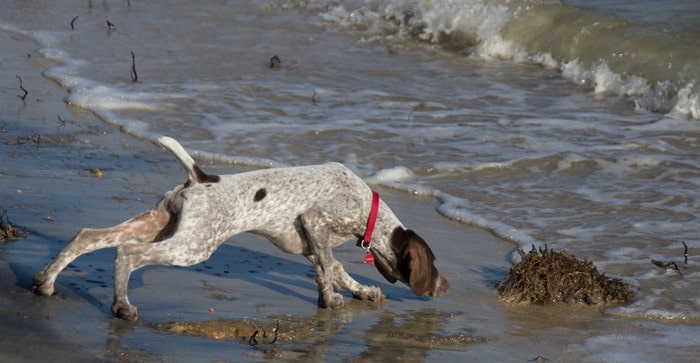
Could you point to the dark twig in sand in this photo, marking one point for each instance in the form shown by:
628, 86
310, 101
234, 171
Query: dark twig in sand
61, 121
277, 328
72, 22
275, 62
253, 341
23, 97
134, 75
669, 265
37, 137
409, 116
313, 98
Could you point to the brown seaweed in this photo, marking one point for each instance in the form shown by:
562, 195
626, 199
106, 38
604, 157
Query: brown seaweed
547, 276
8, 231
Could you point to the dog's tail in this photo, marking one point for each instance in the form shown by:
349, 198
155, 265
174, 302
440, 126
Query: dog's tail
194, 173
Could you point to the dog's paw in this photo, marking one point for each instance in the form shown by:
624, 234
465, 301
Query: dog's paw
40, 286
371, 293
125, 311
376, 294
332, 301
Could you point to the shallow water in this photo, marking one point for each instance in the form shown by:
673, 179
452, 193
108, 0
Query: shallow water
569, 125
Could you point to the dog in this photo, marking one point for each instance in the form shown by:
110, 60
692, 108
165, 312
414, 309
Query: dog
305, 210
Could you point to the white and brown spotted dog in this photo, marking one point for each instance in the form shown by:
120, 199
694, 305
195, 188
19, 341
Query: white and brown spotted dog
303, 210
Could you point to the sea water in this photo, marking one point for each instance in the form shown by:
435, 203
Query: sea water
574, 124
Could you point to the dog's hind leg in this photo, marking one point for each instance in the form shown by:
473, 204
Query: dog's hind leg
145, 227
189, 245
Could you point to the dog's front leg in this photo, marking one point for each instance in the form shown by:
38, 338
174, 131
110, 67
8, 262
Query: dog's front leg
361, 292
318, 236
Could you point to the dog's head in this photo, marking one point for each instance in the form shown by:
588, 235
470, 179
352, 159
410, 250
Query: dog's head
413, 264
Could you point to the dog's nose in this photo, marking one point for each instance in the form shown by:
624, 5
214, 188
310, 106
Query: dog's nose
441, 286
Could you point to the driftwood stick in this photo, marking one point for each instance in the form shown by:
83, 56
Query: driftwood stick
24, 95
669, 265
37, 137
134, 75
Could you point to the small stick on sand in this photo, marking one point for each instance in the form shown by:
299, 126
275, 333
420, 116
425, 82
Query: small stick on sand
252, 341
685, 252
275, 62
72, 22
38, 140
134, 75
277, 328
61, 121
669, 265
23, 96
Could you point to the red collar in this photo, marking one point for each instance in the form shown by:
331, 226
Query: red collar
367, 239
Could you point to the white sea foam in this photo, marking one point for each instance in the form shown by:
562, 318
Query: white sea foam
400, 178
640, 348
452, 207
393, 175
603, 80
663, 315
688, 101
479, 27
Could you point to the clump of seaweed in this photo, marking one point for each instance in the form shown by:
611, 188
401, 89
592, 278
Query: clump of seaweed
546, 276
8, 232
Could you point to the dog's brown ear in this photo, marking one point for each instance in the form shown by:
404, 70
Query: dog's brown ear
419, 259
414, 264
